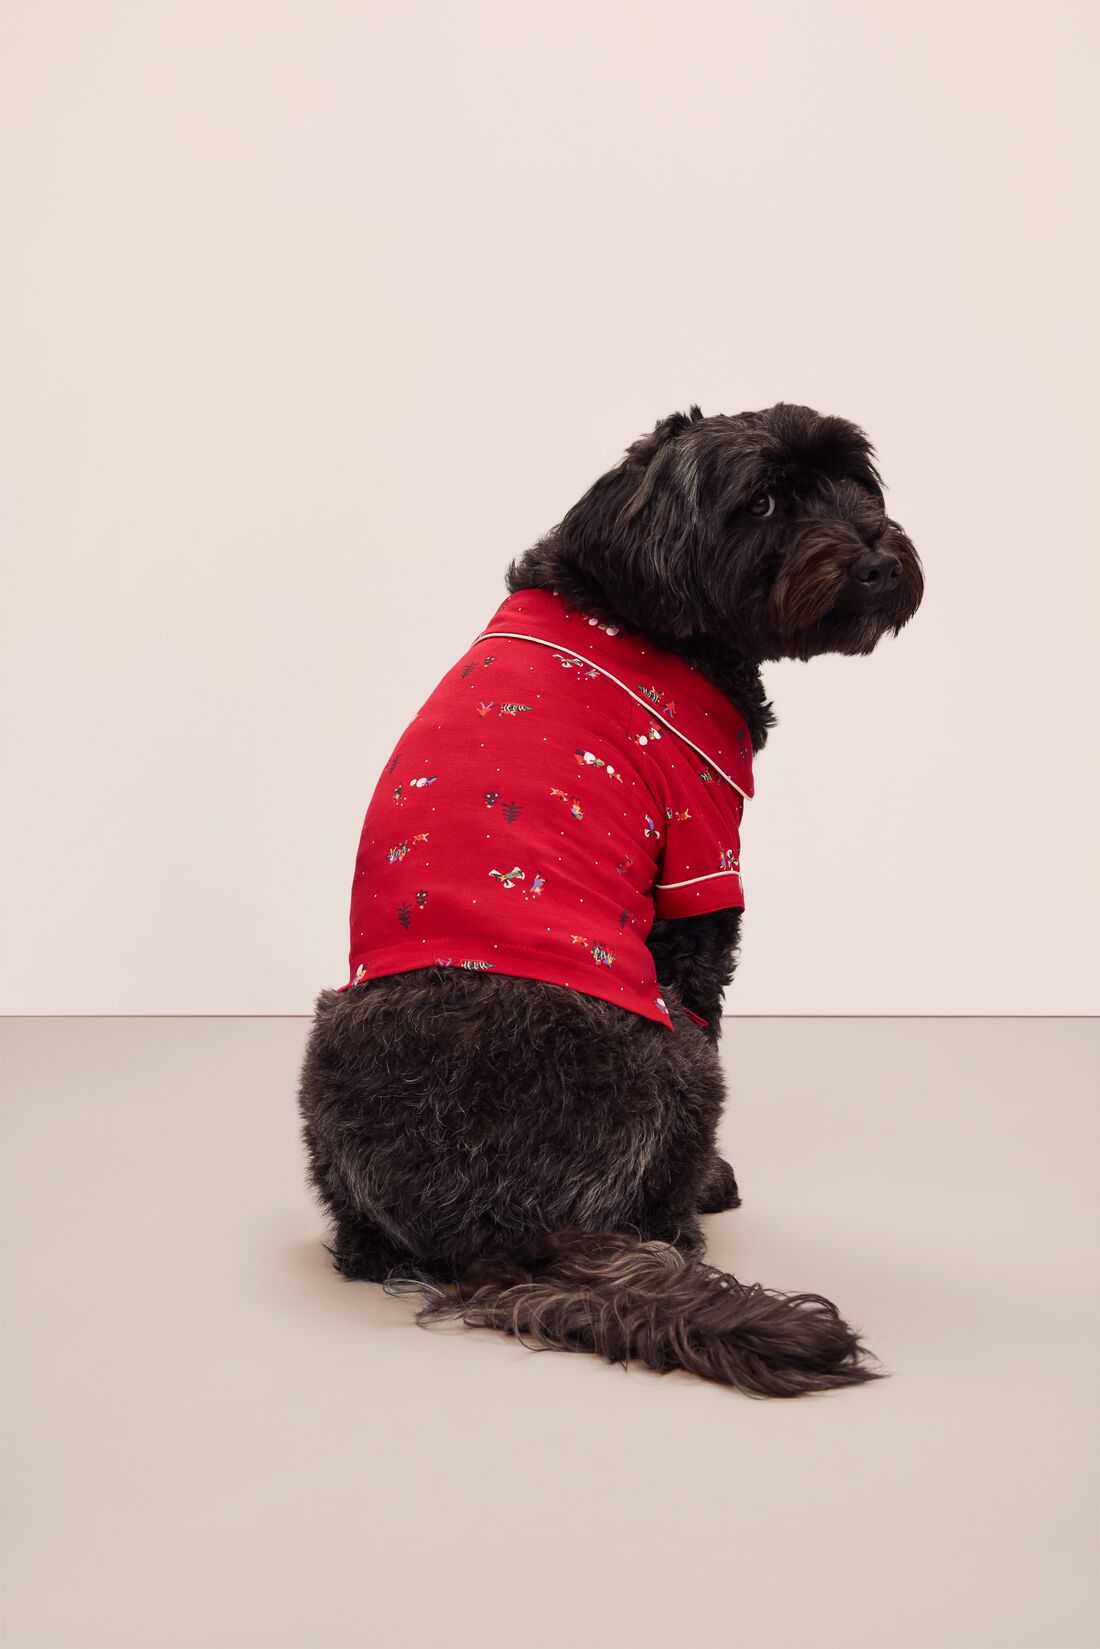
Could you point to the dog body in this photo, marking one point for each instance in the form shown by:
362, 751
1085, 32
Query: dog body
529, 1143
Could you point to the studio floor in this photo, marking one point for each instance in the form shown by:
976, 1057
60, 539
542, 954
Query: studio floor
212, 1441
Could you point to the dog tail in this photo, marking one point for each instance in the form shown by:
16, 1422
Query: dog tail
624, 1299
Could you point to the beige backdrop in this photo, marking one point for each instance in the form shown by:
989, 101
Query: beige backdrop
315, 314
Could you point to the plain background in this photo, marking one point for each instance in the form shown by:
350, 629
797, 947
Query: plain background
314, 315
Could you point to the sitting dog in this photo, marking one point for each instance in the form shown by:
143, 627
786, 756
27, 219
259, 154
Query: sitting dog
512, 1106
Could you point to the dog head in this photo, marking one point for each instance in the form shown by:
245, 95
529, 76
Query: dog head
765, 531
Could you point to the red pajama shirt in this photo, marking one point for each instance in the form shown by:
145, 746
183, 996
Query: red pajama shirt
566, 782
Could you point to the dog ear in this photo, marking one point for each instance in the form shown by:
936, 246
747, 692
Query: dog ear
634, 531
646, 446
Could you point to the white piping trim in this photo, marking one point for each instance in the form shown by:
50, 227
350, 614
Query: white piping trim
664, 886
517, 635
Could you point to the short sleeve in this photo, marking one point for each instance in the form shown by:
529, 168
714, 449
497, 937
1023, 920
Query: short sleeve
700, 861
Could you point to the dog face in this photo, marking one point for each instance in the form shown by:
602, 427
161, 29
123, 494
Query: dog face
766, 531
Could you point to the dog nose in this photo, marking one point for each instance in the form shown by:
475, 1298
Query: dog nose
876, 570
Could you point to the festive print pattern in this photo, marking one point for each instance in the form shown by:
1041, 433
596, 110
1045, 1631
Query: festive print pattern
498, 786
654, 695
585, 758
397, 853
414, 784
510, 811
576, 664
469, 669
574, 805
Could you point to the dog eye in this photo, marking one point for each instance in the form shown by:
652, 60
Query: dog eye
763, 504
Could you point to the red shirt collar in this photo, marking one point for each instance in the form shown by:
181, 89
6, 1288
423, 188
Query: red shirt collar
670, 690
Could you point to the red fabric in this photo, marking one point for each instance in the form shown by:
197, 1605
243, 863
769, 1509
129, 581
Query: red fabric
563, 783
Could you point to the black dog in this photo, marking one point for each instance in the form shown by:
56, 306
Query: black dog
535, 1158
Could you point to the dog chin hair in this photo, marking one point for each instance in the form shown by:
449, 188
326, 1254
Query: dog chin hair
856, 637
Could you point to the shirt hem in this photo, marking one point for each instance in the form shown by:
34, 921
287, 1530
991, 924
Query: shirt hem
701, 899
512, 963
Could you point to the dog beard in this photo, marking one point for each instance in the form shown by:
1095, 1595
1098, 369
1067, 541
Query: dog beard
817, 607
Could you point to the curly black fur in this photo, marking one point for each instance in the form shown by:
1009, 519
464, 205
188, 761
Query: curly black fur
535, 1159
